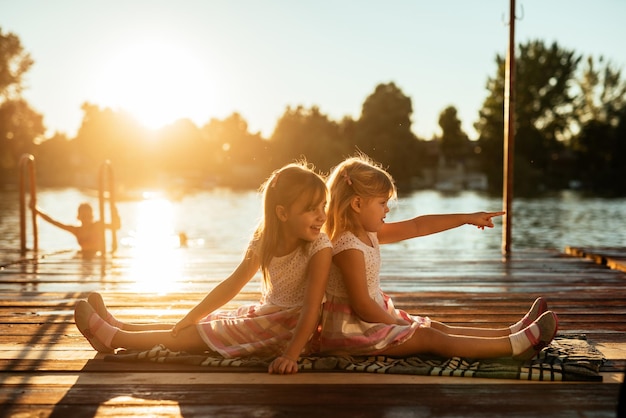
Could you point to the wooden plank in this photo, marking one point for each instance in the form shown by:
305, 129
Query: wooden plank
612, 257
331, 400
48, 368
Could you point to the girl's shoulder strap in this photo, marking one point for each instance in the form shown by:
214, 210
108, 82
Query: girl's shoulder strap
320, 243
345, 241
253, 246
374, 238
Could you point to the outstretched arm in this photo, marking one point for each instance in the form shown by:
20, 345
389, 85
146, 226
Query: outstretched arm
317, 272
49, 219
432, 224
222, 293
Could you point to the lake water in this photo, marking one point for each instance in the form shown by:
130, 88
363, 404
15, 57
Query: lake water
221, 221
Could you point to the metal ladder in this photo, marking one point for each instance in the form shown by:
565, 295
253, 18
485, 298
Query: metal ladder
27, 164
106, 191
106, 187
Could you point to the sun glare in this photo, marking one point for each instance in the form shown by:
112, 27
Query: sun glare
158, 83
156, 258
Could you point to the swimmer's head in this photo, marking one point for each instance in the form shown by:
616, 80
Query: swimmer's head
85, 213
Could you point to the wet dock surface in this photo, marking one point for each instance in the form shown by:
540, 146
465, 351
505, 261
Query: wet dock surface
49, 369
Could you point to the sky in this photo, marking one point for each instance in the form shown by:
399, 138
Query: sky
202, 59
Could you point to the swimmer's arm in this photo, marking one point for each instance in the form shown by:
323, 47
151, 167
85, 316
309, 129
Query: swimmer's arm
54, 222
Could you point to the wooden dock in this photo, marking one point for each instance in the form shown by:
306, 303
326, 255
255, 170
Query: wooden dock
49, 369
612, 257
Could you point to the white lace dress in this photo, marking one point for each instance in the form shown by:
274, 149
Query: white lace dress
265, 328
342, 330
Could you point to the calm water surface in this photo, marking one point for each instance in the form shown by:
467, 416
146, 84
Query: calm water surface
221, 221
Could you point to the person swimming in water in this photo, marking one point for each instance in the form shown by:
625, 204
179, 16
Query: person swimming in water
90, 232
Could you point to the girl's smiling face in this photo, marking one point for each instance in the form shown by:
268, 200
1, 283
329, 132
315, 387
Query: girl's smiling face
372, 212
303, 220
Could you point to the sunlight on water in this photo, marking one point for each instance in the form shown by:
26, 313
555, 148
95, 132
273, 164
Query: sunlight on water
218, 225
156, 261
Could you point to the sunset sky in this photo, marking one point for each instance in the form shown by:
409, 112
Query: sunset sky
163, 60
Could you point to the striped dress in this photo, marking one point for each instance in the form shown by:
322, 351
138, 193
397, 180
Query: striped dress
266, 328
342, 331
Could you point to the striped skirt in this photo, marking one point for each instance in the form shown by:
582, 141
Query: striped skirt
344, 333
261, 330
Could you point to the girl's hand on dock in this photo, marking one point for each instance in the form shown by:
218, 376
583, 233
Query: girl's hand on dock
183, 323
483, 219
283, 365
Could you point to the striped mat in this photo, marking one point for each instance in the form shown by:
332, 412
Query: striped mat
567, 358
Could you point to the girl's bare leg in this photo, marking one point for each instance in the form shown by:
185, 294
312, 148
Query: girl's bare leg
187, 339
470, 331
96, 301
105, 337
522, 345
146, 327
538, 308
436, 342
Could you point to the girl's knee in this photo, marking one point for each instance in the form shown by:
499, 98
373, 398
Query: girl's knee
188, 339
428, 340
440, 326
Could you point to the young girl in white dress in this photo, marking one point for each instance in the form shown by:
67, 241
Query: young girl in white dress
360, 319
294, 257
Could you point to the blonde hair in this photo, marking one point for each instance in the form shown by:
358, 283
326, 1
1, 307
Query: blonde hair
355, 176
284, 187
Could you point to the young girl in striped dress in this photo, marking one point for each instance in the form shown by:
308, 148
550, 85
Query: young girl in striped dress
294, 257
360, 319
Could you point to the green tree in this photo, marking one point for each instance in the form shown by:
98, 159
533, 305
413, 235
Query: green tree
20, 125
106, 134
310, 134
620, 150
384, 132
600, 143
55, 158
596, 160
176, 150
14, 63
543, 116
455, 144
233, 154
602, 93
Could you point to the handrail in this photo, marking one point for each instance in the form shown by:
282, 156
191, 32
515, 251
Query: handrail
27, 161
106, 183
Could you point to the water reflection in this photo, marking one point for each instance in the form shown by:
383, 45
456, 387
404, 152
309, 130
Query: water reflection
155, 262
218, 224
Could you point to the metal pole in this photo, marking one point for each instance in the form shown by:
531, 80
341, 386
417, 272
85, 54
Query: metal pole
101, 198
106, 183
509, 134
27, 166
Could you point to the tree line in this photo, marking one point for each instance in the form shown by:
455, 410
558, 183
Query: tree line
570, 132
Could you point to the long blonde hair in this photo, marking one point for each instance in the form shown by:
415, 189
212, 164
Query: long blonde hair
355, 176
284, 187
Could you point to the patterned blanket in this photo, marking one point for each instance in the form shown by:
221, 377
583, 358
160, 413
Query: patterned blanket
567, 358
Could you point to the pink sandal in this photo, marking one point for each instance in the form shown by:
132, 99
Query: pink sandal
539, 307
89, 324
96, 302
548, 324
